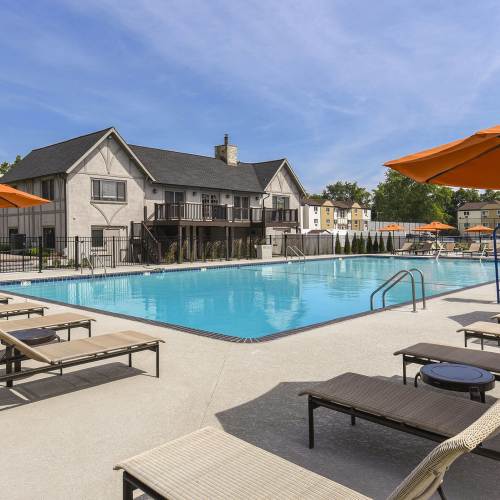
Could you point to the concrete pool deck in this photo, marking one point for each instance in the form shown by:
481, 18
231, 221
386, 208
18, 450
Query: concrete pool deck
62, 435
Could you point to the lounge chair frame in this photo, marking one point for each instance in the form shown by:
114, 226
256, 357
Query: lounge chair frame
63, 325
131, 483
314, 402
409, 359
482, 336
11, 357
20, 311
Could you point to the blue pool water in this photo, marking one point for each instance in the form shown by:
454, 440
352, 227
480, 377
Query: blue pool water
258, 300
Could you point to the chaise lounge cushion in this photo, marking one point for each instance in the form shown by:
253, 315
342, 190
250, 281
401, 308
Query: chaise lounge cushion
483, 359
211, 464
421, 408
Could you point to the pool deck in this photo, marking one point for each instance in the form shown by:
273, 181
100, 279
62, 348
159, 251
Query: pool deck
62, 435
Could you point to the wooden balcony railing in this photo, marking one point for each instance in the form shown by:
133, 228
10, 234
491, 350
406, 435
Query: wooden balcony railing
204, 212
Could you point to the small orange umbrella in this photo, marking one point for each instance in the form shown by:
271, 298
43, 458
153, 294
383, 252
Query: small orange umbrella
391, 227
479, 229
13, 198
434, 226
471, 162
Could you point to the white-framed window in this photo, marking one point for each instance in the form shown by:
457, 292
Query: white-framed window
281, 202
466, 214
328, 221
315, 210
209, 198
498, 213
316, 222
106, 190
484, 213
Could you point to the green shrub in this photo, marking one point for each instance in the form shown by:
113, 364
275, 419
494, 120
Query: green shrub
390, 244
347, 245
381, 246
369, 244
338, 246
170, 254
375, 244
354, 244
361, 244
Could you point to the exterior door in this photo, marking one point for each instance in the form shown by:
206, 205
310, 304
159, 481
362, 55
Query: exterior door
241, 207
209, 201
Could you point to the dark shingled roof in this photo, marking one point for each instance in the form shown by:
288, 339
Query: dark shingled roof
53, 159
475, 205
183, 169
167, 167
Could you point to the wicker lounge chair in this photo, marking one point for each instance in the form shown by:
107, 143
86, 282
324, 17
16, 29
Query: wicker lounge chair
406, 248
429, 414
481, 330
474, 248
75, 352
424, 354
210, 463
21, 308
58, 321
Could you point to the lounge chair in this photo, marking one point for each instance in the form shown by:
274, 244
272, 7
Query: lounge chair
58, 321
406, 248
474, 248
426, 247
448, 247
8, 310
481, 330
429, 414
424, 354
210, 463
75, 352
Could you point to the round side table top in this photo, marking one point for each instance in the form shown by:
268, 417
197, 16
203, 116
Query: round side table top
457, 377
35, 336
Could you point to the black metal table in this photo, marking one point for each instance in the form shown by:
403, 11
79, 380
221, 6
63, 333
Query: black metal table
456, 377
32, 337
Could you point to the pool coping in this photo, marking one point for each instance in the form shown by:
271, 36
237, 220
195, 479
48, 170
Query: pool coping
220, 336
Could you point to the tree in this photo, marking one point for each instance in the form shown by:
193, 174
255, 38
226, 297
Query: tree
490, 195
400, 198
369, 244
347, 245
338, 247
361, 244
390, 245
6, 166
354, 244
381, 245
375, 244
347, 191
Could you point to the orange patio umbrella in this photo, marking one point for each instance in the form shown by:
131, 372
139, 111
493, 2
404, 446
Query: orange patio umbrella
391, 227
13, 198
471, 162
479, 229
434, 226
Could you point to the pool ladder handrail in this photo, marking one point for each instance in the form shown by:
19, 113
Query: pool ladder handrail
394, 280
90, 265
296, 251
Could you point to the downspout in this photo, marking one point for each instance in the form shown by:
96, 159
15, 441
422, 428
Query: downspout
265, 197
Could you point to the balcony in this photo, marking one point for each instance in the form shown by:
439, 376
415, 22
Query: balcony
198, 212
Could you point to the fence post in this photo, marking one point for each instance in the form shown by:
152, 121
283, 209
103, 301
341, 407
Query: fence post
77, 253
318, 243
113, 256
40, 252
333, 245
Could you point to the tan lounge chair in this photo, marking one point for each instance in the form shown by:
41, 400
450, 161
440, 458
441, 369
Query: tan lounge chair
449, 247
212, 464
76, 352
21, 308
406, 248
424, 353
430, 414
474, 248
426, 247
58, 321
481, 330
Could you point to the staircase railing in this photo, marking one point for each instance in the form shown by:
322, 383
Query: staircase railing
151, 246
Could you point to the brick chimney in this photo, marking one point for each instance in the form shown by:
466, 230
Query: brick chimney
227, 152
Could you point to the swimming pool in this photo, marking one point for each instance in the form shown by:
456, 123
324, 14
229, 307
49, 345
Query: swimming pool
255, 301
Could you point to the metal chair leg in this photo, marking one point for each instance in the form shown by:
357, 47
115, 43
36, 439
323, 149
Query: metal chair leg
441, 493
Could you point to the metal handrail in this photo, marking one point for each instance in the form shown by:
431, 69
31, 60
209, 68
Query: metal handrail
91, 267
394, 280
99, 258
422, 284
298, 253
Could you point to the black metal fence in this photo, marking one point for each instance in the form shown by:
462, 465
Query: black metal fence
24, 253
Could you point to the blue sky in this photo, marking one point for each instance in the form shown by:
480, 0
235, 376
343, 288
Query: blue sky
338, 87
